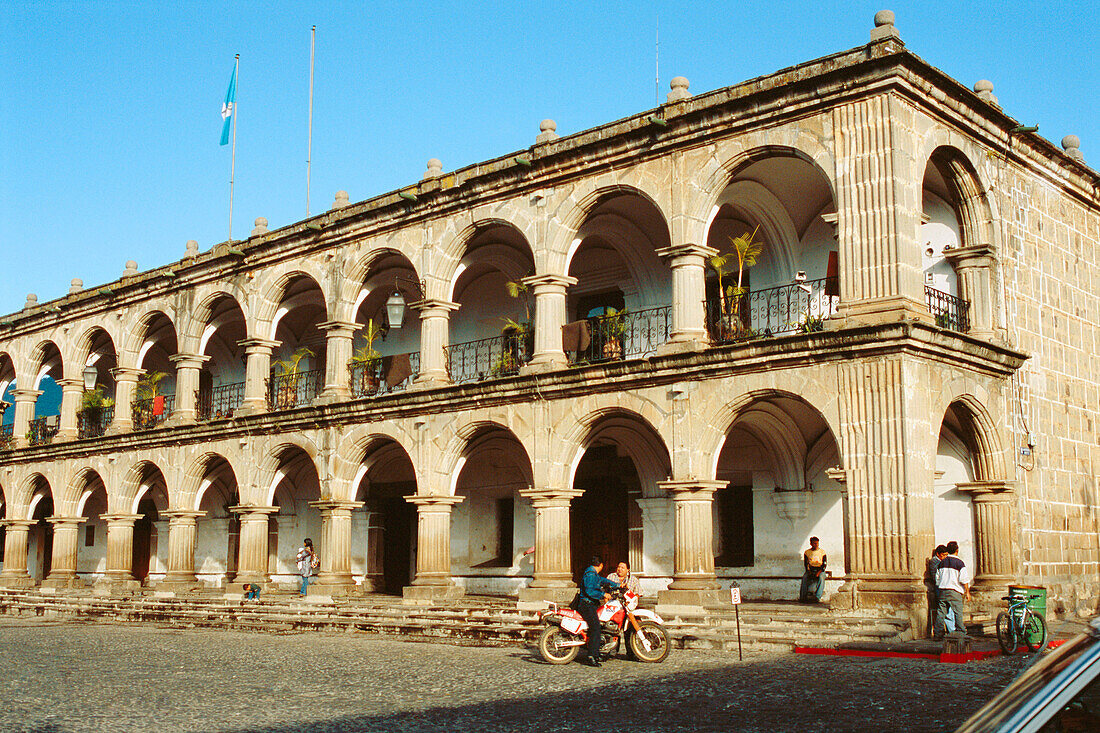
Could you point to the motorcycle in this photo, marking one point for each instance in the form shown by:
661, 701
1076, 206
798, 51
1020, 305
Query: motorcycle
620, 618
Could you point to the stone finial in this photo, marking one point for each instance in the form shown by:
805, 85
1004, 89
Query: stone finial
131, 269
192, 248
679, 85
984, 89
341, 200
547, 131
75, 286
32, 301
435, 169
1072, 145
261, 226
884, 26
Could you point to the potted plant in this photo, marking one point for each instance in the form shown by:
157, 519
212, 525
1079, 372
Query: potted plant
285, 390
745, 251
365, 362
148, 403
611, 327
92, 406
519, 336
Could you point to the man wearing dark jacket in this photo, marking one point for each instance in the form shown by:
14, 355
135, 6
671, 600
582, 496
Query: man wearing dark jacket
592, 593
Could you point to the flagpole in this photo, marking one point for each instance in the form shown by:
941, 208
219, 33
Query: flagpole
233, 159
309, 149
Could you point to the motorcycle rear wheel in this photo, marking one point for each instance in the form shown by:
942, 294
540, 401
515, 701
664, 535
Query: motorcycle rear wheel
659, 643
549, 648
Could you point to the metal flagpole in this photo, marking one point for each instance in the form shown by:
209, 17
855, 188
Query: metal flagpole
233, 159
657, 62
309, 150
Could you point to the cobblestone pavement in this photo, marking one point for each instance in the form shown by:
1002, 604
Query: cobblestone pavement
65, 677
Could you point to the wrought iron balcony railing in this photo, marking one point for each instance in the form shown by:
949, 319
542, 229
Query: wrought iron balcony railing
387, 374
798, 308
94, 423
43, 429
499, 356
7, 436
624, 335
152, 412
298, 389
219, 402
949, 311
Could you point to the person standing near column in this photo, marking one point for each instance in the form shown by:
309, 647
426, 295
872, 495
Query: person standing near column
308, 562
953, 585
813, 576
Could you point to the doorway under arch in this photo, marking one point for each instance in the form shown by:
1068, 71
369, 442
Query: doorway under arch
386, 477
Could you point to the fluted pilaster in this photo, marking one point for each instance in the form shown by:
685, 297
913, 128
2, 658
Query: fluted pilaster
694, 583
974, 266
995, 534
14, 574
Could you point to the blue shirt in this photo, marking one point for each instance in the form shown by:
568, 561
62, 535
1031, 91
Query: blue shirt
593, 584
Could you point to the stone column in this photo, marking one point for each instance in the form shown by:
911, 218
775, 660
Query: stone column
66, 531
24, 413
125, 381
434, 322
71, 392
553, 577
335, 576
182, 531
120, 551
257, 370
252, 556
694, 584
878, 202
974, 266
433, 550
185, 410
338, 341
14, 574
995, 535
689, 324
550, 316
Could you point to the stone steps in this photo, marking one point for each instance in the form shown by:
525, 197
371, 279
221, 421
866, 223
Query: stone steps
494, 621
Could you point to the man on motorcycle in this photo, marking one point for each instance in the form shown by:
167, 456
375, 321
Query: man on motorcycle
591, 595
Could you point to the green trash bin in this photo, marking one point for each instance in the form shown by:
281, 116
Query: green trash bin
1037, 604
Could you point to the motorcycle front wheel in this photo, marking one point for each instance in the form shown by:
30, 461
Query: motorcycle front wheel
550, 641
659, 643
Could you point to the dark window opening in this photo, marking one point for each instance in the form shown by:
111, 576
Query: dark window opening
89, 536
735, 528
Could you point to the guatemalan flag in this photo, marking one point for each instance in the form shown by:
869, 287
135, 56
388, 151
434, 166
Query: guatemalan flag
229, 106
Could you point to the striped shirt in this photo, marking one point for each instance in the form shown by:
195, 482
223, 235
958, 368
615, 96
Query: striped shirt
952, 574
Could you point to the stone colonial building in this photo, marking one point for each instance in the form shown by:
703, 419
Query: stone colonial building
557, 349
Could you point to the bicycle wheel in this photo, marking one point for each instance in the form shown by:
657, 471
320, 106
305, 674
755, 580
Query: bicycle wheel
1006, 633
1035, 632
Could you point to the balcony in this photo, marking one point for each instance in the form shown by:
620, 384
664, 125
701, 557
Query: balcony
388, 374
94, 423
296, 389
499, 356
152, 412
43, 429
7, 436
799, 308
949, 311
219, 402
617, 336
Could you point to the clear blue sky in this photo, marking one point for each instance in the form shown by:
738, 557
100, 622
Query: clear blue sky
109, 119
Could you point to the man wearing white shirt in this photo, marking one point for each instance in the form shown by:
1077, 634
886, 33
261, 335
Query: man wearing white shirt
953, 585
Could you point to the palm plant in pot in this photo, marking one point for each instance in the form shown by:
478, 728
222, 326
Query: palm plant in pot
285, 391
148, 403
519, 336
366, 363
93, 404
611, 326
729, 323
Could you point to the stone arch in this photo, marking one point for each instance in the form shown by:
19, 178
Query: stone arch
130, 488
268, 467
454, 454
356, 274
190, 333
272, 288
981, 437
135, 343
73, 493
585, 198
456, 255
8, 373
722, 168
44, 359
474, 224
35, 487
83, 347
648, 448
964, 183
193, 486
355, 445
714, 425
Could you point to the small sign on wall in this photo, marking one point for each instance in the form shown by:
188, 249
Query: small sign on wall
735, 595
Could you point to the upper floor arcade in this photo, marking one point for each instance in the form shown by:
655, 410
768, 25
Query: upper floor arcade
858, 189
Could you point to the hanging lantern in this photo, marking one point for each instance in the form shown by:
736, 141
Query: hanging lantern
91, 374
395, 309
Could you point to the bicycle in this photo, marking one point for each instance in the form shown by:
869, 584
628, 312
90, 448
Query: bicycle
1019, 624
